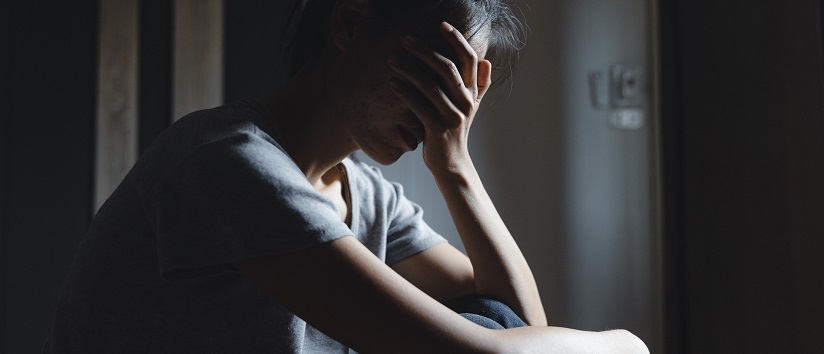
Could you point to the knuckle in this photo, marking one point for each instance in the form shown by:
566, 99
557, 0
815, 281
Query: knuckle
450, 67
446, 69
473, 56
454, 119
436, 89
464, 103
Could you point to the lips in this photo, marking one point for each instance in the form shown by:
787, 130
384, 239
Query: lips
409, 139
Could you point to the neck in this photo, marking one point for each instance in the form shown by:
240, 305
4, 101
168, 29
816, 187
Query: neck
312, 127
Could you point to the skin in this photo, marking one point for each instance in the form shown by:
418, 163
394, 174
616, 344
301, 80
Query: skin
372, 91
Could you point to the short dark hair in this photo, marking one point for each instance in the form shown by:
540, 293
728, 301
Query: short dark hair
309, 20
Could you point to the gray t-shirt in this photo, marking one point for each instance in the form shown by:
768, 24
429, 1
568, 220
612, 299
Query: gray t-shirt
152, 274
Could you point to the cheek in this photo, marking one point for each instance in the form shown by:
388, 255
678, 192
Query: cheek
367, 94
378, 99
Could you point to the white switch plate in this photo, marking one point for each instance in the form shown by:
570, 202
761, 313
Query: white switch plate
628, 85
598, 89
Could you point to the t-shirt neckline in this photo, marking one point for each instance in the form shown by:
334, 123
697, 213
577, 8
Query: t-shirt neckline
267, 118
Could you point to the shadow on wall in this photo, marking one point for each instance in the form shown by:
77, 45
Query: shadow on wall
519, 136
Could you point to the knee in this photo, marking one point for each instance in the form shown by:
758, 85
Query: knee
486, 311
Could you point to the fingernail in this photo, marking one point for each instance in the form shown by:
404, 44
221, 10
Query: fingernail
447, 27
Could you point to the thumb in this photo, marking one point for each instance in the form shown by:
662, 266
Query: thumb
484, 77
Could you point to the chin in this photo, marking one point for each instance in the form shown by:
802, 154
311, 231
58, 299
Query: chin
385, 158
387, 161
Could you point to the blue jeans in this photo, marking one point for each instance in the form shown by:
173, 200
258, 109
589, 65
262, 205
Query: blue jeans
485, 311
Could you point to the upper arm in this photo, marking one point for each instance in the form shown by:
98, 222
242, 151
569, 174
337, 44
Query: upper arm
441, 271
342, 289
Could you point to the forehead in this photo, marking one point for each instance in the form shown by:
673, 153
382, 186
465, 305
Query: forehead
479, 41
431, 35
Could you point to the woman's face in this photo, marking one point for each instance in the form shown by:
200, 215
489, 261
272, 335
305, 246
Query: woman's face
379, 123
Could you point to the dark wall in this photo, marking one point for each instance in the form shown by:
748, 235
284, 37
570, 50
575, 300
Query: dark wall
48, 104
154, 69
254, 34
744, 159
47, 126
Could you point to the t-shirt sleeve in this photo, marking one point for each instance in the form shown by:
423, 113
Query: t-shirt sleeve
236, 198
408, 233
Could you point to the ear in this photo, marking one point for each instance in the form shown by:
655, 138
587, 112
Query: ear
347, 22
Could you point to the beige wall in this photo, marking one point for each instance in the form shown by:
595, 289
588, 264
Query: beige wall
197, 83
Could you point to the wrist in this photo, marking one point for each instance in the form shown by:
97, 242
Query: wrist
448, 163
455, 173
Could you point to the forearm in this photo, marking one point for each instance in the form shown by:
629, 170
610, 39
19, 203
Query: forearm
500, 269
446, 114
568, 341
358, 300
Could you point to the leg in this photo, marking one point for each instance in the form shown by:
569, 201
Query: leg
485, 311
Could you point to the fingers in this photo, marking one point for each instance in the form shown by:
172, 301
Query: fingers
416, 103
425, 98
467, 58
441, 89
444, 69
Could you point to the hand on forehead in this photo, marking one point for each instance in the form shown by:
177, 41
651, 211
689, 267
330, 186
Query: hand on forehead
431, 35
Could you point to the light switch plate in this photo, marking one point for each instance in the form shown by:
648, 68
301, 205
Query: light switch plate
628, 85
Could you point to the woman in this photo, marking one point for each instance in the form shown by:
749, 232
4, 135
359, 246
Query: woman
246, 228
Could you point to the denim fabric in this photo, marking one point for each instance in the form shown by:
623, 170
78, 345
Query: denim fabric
485, 311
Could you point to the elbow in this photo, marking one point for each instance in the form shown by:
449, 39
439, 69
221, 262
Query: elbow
627, 342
